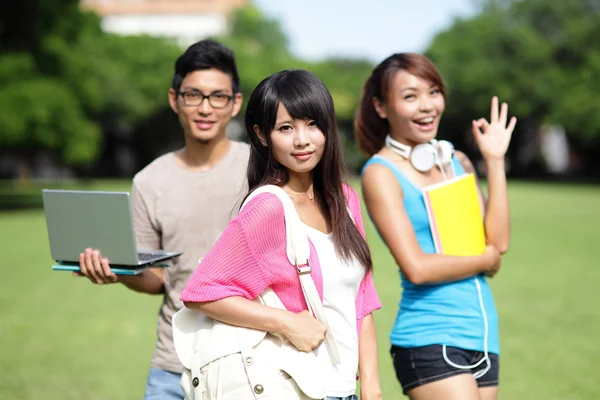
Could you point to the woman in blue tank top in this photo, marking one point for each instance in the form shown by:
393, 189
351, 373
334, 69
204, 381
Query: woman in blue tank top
445, 337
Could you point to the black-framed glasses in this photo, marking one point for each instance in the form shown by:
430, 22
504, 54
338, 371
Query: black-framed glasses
195, 98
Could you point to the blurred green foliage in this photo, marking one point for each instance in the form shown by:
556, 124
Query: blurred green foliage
65, 84
261, 49
540, 56
62, 80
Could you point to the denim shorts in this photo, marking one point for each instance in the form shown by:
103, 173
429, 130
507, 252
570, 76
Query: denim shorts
351, 397
417, 366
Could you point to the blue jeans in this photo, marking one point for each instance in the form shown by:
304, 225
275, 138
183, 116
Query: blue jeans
163, 385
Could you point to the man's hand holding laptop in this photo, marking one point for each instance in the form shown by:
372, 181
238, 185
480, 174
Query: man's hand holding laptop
95, 267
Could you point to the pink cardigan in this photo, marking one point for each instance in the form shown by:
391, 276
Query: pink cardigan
250, 256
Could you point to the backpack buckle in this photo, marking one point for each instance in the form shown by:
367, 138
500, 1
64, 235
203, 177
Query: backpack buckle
303, 269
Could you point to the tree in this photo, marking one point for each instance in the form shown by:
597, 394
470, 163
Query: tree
64, 83
261, 49
68, 87
40, 112
541, 56
345, 79
260, 46
38, 109
572, 30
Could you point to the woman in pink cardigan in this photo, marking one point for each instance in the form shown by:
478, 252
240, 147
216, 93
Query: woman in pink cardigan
295, 144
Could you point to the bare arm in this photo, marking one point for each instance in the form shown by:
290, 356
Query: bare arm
97, 269
384, 199
496, 208
493, 139
302, 330
497, 216
370, 387
150, 281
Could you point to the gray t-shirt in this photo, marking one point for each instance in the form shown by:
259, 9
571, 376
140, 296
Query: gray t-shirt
180, 210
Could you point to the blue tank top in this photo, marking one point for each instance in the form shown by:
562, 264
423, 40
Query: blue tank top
447, 313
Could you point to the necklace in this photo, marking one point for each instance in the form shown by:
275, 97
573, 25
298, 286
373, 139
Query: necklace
311, 197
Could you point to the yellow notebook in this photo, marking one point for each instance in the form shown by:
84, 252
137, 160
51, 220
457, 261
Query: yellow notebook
455, 216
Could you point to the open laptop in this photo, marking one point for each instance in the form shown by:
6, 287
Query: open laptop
78, 219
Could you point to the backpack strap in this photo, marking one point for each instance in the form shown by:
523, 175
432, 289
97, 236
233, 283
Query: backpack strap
298, 253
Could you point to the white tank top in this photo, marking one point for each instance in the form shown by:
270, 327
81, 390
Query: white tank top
341, 282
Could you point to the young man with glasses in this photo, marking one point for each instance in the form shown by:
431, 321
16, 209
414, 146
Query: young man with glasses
184, 199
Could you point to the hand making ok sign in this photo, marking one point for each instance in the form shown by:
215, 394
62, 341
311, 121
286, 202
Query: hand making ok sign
493, 137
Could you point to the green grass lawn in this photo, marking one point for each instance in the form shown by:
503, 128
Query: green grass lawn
63, 338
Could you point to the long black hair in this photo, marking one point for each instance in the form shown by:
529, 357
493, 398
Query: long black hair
306, 98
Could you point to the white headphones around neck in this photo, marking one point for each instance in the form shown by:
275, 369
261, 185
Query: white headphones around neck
424, 156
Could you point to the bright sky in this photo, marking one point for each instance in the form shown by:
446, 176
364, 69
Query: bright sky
371, 29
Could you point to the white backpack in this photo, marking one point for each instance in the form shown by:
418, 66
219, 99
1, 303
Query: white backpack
223, 362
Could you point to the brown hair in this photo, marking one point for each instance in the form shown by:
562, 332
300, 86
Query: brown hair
370, 128
305, 97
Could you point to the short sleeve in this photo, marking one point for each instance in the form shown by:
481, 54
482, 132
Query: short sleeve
368, 300
354, 207
229, 269
147, 235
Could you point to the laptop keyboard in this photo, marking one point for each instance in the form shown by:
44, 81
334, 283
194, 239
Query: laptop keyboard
149, 256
